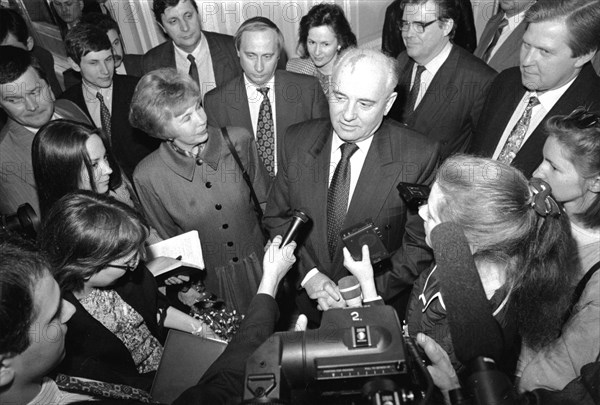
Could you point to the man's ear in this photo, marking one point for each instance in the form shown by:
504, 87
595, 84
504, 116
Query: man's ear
29, 43
7, 372
74, 65
448, 25
163, 29
390, 102
583, 59
81, 4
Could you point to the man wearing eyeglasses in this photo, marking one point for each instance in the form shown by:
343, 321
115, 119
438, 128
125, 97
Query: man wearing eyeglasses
554, 77
442, 87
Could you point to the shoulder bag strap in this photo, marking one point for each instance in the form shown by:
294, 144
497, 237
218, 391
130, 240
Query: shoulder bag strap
246, 177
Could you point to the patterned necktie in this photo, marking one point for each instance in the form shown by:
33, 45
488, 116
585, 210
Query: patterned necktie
265, 141
490, 48
194, 70
515, 139
104, 116
101, 389
337, 197
411, 103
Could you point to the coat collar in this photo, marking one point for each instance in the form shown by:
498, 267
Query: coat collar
185, 166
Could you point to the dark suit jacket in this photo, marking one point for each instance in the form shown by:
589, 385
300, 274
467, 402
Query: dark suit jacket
297, 98
508, 53
397, 154
451, 106
47, 62
133, 67
95, 352
506, 92
130, 145
226, 64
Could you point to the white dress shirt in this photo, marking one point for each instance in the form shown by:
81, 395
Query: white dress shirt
513, 22
255, 99
203, 62
93, 104
431, 69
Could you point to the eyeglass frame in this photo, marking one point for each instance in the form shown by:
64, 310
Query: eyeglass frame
415, 24
128, 267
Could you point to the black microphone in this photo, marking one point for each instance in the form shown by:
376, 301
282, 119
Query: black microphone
298, 218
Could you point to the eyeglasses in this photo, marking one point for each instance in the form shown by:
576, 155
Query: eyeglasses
129, 266
418, 26
582, 118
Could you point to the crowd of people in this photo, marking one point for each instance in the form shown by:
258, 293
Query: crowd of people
225, 136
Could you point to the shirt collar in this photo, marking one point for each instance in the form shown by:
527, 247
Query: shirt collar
254, 88
90, 92
436, 63
196, 52
515, 20
363, 145
549, 98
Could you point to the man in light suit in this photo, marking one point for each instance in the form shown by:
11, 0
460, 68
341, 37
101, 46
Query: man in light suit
26, 98
500, 42
90, 54
384, 153
214, 54
293, 97
554, 78
442, 87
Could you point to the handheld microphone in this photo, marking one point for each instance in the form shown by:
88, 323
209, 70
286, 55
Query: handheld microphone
298, 218
351, 291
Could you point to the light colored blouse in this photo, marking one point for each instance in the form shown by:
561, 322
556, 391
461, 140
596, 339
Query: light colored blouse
108, 308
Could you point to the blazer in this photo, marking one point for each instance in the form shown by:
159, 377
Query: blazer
129, 145
506, 92
226, 64
507, 55
297, 98
94, 352
17, 184
133, 67
454, 100
397, 154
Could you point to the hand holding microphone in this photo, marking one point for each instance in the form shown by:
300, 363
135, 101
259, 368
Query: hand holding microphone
298, 219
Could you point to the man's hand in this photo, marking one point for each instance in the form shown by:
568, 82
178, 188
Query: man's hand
276, 263
441, 370
320, 287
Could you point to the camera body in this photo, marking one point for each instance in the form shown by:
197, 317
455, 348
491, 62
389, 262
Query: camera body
356, 353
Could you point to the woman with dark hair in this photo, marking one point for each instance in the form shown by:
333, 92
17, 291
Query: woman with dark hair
194, 182
95, 247
571, 166
69, 156
485, 218
324, 32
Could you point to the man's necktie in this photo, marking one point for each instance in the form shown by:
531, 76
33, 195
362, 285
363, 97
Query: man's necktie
265, 141
490, 48
194, 70
414, 92
515, 139
337, 197
104, 116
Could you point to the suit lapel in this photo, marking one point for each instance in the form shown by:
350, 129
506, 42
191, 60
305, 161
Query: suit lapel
511, 45
238, 110
80, 101
488, 34
285, 112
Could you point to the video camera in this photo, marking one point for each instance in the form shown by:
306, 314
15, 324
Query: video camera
358, 355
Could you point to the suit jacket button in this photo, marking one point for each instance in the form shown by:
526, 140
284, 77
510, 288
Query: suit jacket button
208, 184
225, 226
218, 207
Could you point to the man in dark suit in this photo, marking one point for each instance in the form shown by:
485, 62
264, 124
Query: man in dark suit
442, 87
500, 42
553, 79
104, 96
293, 97
214, 58
343, 170
125, 64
